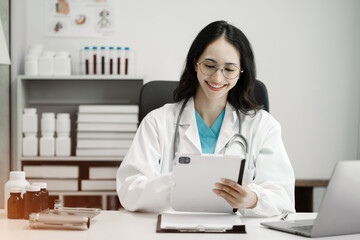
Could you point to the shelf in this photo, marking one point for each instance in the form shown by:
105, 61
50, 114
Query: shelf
311, 182
82, 77
72, 158
83, 193
64, 94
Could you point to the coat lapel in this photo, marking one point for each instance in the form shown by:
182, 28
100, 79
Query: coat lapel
228, 128
188, 131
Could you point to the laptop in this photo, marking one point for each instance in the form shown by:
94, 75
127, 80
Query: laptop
339, 212
194, 179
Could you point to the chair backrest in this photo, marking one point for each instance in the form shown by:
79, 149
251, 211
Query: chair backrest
155, 94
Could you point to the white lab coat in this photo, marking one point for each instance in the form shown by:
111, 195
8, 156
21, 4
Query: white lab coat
144, 177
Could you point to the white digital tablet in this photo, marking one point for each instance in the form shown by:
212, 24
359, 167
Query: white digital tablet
195, 177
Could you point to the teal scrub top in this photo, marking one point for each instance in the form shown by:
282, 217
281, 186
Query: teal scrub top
209, 136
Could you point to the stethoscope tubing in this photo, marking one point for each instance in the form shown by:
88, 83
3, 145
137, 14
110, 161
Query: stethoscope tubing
238, 137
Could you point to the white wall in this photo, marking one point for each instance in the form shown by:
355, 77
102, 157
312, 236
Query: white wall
306, 52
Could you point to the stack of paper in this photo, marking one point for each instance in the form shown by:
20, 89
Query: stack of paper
178, 222
106, 130
57, 177
101, 178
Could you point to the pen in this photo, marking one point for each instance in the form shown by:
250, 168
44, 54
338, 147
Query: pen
241, 173
284, 217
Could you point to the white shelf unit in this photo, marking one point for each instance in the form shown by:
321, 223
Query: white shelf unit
64, 94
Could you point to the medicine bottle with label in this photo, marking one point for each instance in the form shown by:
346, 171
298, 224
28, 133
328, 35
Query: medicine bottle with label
44, 195
32, 200
15, 205
17, 180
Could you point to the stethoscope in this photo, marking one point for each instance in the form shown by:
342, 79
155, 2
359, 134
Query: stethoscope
238, 137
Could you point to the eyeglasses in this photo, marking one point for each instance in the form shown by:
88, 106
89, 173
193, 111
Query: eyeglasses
229, 71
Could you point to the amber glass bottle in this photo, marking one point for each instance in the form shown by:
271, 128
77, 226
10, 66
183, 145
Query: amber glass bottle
15, 205
44, 194
32, 200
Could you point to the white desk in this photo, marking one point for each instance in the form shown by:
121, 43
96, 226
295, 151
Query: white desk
123, 225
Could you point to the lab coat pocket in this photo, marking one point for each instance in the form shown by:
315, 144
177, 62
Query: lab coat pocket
248, 176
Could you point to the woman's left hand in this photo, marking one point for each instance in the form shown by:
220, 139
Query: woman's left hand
238, 196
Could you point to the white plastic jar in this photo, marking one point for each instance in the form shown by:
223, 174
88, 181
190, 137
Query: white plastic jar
63, 140
31, 65
46, 64
29, 121
47, 140
62, 64
29, 129
48, 122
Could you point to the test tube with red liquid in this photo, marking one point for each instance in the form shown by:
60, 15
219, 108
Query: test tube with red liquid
103, 56
127, 55
118, 60
95, 53
87, 60
111, 60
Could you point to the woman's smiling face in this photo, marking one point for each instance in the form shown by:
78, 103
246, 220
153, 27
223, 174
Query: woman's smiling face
218, 54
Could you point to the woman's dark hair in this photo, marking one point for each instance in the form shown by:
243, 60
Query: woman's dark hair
241, 95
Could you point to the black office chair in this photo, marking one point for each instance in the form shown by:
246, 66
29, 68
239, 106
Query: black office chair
157, 93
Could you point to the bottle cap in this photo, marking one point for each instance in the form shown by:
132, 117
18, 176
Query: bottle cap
32, 188
94, 48
30, 110
86, 48
63, 115
111, 48
30, 135
47, 134
47, 54
102, 48
118, 48
62, 54
15, 190
17, 175
40, 184
127, 48
31, 57
48, 115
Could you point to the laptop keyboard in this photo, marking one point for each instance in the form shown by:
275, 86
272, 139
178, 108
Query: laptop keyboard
307, 228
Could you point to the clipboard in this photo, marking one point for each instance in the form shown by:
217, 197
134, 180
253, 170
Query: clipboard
199, 229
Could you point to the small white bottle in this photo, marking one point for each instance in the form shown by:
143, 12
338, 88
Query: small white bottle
62, 64
47, 140
17, 180
30, 145
46, 64
31, 65
63, 140
29, 129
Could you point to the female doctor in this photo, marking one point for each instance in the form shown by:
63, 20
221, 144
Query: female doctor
214, 93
